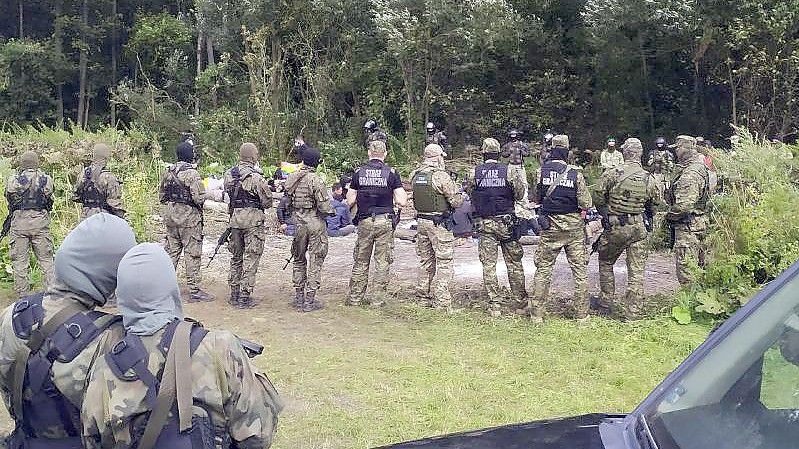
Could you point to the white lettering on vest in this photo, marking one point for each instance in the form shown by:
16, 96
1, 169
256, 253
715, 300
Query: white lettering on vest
372, 178
553, 176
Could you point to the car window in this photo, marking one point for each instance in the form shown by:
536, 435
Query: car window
744, 393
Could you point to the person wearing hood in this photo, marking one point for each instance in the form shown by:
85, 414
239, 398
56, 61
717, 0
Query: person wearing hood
561, 191
182, 193
626, 198
249, 195
98, 189
435, 197
688, 198
216, 388
309, 204
30, 198
49, 340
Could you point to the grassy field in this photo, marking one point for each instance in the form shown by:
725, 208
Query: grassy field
362, 378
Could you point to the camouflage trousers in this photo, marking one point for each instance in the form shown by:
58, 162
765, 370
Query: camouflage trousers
188, 241
375, 239
21, 242
435, 246
630, 239
496, 234
310, 238
689, 248
552, 241
246, 247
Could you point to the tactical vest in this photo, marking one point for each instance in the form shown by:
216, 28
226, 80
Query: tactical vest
493, 194
128, 361
88, 194
426, 200
301, 193
33, 198
563, 199
239, 196
704, 196
61, 338
629, 194
174, 190
375, 196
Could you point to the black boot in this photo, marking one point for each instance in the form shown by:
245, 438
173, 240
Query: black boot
234, 298
245, 301
200, 296
310, 304
299, 298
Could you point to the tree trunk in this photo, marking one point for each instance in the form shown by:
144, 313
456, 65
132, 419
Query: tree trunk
83, 64
59, 112
645, 79
21, 20
211, 62
114, 44
733, 95
199, 64
58, 42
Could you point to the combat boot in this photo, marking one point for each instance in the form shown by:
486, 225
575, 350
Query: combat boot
234, 297
311, 303
245, 301
200, 296
299, 298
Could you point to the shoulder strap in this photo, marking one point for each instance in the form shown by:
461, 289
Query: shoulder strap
557, 182
300, 176
175, 384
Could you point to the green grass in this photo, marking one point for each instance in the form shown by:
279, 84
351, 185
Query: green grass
408, 373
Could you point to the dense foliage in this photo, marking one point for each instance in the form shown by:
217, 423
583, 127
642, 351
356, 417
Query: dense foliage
235, 69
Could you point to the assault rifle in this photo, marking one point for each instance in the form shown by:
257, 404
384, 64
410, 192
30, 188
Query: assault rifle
221, 241
7, 221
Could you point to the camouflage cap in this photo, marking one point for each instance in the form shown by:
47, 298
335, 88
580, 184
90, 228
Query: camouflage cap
561, 140
490, 145
29, 160
632, 148
101, 152
378, 147
248, 152
433, 150
684, 142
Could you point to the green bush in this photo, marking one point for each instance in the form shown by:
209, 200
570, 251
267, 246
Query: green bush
753, 236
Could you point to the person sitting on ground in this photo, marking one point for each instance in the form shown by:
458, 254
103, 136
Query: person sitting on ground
339, 225
163, 360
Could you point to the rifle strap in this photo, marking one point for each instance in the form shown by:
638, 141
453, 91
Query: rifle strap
557, 182
300, 176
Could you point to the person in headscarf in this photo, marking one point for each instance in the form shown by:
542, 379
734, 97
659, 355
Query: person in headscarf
30, 198
52, 338
182, 193
249, 195
224, 394
98, 189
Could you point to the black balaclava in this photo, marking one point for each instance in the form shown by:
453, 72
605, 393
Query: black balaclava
311, 157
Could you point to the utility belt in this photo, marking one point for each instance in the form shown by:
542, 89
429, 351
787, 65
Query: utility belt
444, 219
625, 219
187, 203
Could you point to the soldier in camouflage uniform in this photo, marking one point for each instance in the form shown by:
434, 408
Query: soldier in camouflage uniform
98, 189
561, 191
249, 195
374, 133
494, 188
626, 196
435, 197
309, 203
38, 333
661, 163
375, 188
435, 136
515, 151
30, 199
688, 200
223, 391
182, 193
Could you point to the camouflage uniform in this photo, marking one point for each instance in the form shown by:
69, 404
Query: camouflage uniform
30, 197
496, 232
623, 194
435, 243
376, 135
246, 244
183, 217
566, 232
515, 151
688, 199
108, 195
309, 202
375, 184
438, 138
242, 404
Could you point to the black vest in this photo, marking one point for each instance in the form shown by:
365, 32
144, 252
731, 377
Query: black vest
88, 194
33, 198
493, 194
239, 197
174, 191
375, 196
564, 198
